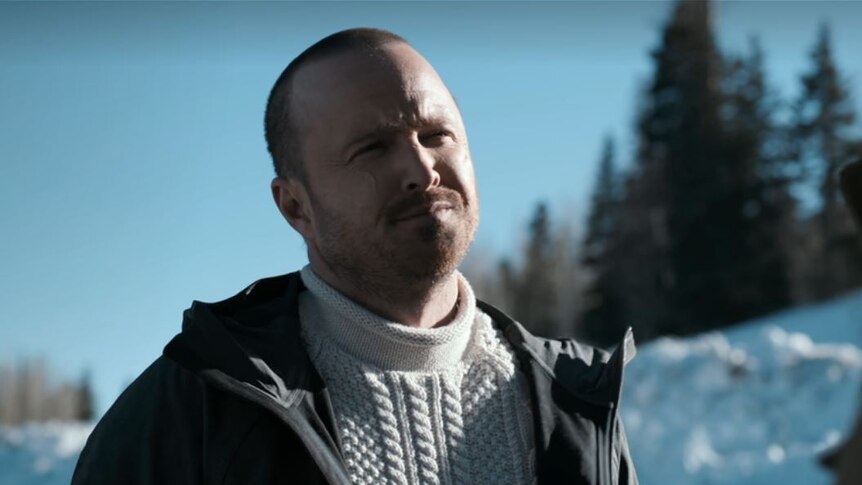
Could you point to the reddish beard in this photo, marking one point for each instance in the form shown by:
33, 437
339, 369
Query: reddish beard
399, 260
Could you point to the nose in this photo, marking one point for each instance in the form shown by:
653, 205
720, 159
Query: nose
420, 168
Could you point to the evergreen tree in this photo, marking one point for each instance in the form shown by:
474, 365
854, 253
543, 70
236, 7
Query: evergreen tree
535, 295
567, 276
705, 222
84, 410
539, 290
602, 221
755, 152
676, 228
824, 121
602, 322
508, 280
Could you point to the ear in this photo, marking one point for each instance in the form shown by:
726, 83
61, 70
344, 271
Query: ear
292, 201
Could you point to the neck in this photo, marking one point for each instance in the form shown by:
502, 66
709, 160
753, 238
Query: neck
424, 304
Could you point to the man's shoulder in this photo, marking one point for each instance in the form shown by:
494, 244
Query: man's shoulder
162, 393
152, 422
153, 431
590, 373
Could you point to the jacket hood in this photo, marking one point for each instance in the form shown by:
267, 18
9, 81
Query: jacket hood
251, 341
250, 338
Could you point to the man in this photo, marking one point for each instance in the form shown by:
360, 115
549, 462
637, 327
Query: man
375, 363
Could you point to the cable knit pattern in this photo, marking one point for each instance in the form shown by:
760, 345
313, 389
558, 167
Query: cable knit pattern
385, 412
454, 429
423, 437
425, 406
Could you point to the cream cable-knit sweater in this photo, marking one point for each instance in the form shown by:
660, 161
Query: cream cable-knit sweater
442, 405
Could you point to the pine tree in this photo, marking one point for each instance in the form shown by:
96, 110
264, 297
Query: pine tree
759, 191
85, 403
602, 322
508, 280
567, 275
602, 221
535, 295
824, 121
676, 227
706, 215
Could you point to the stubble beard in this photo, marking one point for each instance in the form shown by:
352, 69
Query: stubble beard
393, 267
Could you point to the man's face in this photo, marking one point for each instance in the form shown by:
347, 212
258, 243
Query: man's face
390, 178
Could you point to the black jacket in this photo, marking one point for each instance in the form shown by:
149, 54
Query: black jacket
235, 399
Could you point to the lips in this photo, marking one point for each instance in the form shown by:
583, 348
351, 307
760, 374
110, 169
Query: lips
424, 210
423, 204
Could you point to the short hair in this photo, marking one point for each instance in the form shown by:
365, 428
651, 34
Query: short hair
280, 131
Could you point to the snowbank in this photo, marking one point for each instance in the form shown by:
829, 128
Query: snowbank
753, 405
43, 454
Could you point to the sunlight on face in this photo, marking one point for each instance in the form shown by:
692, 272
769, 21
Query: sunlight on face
389, 168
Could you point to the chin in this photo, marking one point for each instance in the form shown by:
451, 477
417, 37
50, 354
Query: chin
426, 276
434, 264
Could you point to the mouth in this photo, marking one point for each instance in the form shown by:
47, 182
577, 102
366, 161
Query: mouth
425, 210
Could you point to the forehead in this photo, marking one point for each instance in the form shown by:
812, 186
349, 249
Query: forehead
351, 91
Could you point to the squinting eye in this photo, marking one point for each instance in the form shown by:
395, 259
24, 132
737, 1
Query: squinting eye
437, 136
368, 148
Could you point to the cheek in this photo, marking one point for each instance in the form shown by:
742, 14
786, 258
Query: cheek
463, 170
364, 187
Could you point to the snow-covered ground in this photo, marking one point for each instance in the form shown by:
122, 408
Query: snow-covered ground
41, 454
753, 405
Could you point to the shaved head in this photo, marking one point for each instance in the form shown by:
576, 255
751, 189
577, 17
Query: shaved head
282, 132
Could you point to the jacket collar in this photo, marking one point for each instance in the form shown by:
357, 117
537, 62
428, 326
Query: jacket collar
589, 374
253, 339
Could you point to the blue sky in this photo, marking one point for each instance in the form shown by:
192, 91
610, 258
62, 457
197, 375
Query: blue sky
134, 177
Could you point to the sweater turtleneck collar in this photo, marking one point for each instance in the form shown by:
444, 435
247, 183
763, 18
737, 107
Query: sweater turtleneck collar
382, 343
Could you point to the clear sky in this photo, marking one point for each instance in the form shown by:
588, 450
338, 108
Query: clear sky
134, 177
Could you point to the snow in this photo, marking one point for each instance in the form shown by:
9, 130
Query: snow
41, 453
752, 405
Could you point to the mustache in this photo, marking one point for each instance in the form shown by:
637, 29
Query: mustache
419, 200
